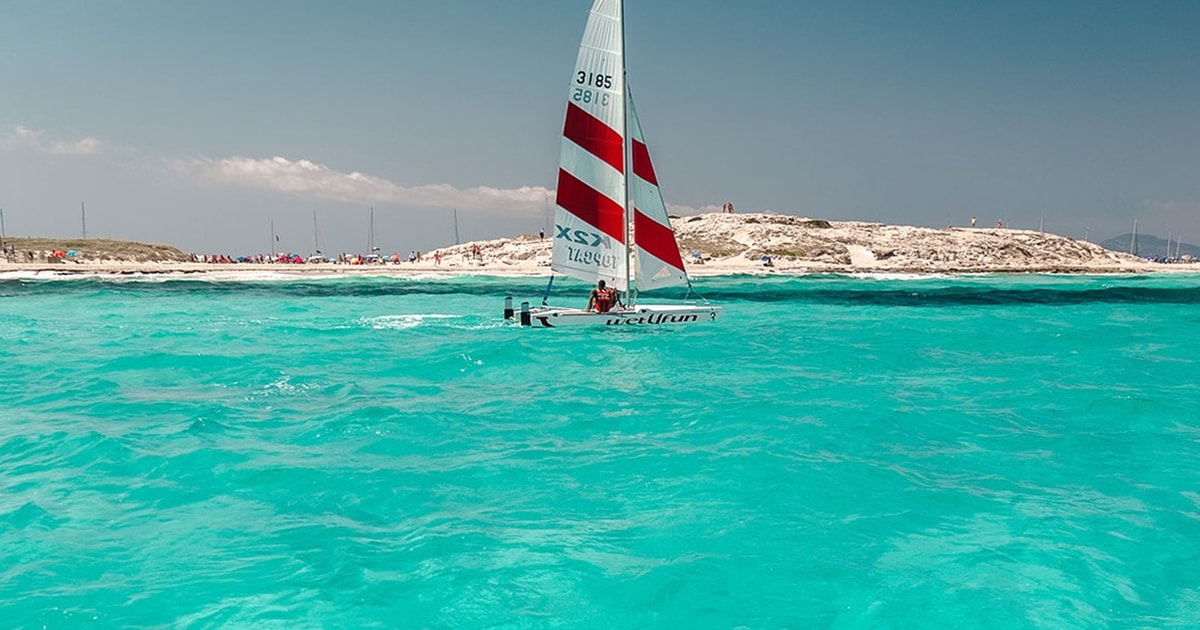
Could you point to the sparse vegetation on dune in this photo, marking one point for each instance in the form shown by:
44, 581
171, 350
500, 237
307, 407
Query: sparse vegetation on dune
96, 249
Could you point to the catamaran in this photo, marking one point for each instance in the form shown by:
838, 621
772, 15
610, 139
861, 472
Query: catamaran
598, 196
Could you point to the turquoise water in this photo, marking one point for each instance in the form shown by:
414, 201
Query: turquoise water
1006, 452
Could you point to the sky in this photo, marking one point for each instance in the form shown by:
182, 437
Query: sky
214, 125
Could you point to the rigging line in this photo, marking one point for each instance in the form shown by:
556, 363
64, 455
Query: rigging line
546, 295
691, 290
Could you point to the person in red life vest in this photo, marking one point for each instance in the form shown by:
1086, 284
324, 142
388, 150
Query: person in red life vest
602, 299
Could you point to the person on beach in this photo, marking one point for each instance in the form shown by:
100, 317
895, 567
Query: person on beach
602, 299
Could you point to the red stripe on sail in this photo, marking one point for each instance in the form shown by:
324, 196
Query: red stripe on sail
656, 239
594, 136
590, 205
641, 163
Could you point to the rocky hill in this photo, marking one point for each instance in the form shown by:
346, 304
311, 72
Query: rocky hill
741, 242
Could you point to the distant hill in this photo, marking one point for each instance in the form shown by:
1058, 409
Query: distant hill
1148, 245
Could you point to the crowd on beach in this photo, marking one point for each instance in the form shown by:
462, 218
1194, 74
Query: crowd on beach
297, 259
414, 256
1170, 260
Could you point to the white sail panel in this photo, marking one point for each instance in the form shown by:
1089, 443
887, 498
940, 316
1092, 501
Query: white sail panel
658, 260
597, 83
589, 241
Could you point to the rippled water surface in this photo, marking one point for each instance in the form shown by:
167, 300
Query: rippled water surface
835, 452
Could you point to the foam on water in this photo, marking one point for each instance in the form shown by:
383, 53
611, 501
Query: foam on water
1003, 451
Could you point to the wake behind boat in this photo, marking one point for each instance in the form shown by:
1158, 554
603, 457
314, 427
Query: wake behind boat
598, 198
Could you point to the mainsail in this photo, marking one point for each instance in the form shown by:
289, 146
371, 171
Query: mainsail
590, 224
658, 260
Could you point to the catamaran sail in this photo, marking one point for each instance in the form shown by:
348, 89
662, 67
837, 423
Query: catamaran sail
658, 261
591, 196
599, 195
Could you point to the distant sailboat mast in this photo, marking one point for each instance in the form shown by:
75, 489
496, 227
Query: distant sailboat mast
371, 232
1133, 242
316, 243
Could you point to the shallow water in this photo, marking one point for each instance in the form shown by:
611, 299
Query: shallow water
997, 451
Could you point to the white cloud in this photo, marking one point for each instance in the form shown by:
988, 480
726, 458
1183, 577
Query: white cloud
307, 178
19, 137
86, 146
303, 177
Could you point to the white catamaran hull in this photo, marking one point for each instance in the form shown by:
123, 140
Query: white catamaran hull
640, 315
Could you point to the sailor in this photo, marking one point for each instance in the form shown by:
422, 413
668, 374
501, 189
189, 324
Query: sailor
602, 299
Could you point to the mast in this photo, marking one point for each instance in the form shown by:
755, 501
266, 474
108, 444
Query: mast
371, 232
630, 294
316, 244
456, 226
83, 218
273, 237
1133, 242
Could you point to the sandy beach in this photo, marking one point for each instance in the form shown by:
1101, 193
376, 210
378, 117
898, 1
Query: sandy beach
711, 245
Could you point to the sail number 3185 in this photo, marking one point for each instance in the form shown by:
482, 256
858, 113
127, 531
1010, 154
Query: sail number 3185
592, 79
